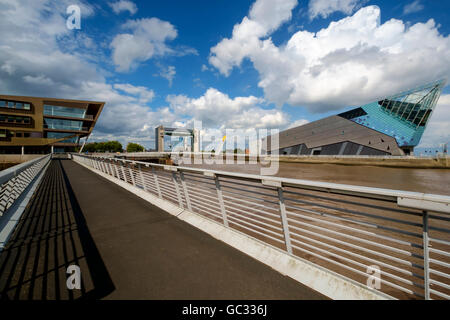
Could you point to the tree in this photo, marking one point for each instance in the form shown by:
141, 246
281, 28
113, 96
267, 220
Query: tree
108, 146
134, 147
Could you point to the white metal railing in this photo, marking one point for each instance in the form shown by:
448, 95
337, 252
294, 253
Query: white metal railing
351, 230
14, 180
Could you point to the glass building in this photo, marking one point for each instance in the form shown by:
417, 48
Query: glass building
40, 125
391, 126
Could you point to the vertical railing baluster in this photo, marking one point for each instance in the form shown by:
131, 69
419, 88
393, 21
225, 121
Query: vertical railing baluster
177, 189
186, 195
284, 221
156, 182
142, 177
426, 255
221, 203
131, 174
123, 171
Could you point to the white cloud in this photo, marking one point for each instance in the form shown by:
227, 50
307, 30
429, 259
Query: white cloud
298, 123
145, 95
168, 73
33, 63
324, 8
265, 16
147, 39
217, 110
437, 130
412, 7
353, 61
123, 5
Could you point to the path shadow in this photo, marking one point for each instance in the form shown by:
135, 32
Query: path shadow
52, 234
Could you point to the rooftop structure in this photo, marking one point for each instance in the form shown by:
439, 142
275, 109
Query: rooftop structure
391, 126
40, 125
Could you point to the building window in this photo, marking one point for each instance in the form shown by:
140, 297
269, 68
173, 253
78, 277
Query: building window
63, 124
64, 111
2, 103
10, 104
15, 119
26, 106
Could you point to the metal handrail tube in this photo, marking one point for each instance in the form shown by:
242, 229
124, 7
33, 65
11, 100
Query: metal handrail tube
404, 271
254, 198
377, 253
8, 174
366, 205
440, 294
411, 244
376, 244
252, 225
358, 264
229, 204
443, 264
363, 223
215, 202
369, 192
256, 204
438, 273
443, 253
440, 241
369, 215
438, 283
251, 219
245, 190
257, 232
207, 212
377, 226
393, 276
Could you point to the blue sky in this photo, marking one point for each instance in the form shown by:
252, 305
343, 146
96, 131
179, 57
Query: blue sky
170, 62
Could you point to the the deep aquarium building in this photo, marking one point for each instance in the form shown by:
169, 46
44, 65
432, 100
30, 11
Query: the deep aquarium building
391, 126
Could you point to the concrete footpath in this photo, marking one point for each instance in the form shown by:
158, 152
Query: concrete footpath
126, 249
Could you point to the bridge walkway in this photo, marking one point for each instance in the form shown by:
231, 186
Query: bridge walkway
126, 248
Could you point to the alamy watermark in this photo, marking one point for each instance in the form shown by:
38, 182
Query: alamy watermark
228, 146
374, 279
74, 279
74, 19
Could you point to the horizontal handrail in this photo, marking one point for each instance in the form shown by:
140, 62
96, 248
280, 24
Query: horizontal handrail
369, 192
11, 172
343, 228
14, 180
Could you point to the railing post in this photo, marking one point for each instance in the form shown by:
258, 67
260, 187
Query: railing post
123, 171
156, 182
284, 221
185, 189
221, 203
426, 255
131, 174
116, 169
142, 177
177, 189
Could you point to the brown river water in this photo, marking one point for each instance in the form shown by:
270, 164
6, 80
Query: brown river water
435, 181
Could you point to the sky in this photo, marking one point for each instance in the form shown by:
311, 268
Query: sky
264, 64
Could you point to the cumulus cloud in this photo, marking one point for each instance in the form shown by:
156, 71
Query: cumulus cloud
123, 5
324, 8
217, 110
145, 95
147, 38
168, 73
265, 16
437, 130
412, 7
33, 63
352, 61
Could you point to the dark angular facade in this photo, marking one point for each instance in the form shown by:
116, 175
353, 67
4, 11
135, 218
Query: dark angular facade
391, 126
